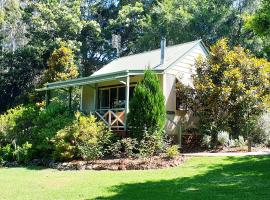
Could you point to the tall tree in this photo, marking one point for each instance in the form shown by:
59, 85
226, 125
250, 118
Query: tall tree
13, 28
259, 22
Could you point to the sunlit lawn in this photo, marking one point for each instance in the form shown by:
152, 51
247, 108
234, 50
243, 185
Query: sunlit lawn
199, 178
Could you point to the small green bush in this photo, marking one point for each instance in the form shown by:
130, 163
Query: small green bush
240, 142
85, 138
148, 146
206, 141
124, 148
6, 152
262, 129
22, 154
223, 138
172, 151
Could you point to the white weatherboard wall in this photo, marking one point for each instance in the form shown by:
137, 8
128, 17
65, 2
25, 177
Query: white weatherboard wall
183, 69
88, 98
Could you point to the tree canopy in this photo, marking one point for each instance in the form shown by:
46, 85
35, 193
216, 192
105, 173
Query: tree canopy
86, 27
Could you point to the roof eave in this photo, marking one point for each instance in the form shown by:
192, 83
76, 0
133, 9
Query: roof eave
92, 79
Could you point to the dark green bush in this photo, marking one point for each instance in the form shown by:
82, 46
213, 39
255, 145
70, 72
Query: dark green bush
147, 107
48, 122
13, 152
124, 148
6, 152
23, 153
149, 145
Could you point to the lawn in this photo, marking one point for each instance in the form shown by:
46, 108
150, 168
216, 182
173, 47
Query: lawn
199, 178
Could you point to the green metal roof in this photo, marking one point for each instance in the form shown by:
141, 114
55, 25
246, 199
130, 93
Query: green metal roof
130, 65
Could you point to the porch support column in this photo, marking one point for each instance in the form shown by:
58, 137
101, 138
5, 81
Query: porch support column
95, 97
81, 100
69, 97
127, 101
47, 98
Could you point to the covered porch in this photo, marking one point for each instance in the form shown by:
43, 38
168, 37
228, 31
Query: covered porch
105, 96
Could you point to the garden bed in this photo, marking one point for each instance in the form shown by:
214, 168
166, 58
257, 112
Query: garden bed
155, 162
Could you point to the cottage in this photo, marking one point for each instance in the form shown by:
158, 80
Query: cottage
107, 92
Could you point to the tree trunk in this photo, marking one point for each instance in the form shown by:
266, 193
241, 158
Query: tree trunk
249, 144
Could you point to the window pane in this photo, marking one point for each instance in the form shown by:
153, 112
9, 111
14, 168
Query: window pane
121, 97
104, 98
113, 98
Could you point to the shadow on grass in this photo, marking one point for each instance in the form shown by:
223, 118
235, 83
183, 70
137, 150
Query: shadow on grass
245, 178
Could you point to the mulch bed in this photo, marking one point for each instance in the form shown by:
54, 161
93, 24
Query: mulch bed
155, 162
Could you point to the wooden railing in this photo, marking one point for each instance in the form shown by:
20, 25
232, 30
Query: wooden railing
113, 118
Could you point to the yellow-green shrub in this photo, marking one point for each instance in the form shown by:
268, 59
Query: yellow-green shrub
172, 151
85, 138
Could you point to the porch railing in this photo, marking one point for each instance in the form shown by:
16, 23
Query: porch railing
114, 118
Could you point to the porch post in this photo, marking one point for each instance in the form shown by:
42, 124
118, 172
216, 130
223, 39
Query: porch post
127, 101
47, 98
95, 98
69, 97
81, 100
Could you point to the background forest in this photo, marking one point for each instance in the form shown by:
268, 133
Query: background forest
35, 34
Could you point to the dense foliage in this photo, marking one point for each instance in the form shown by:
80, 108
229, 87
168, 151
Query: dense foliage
29, 132
147, 107
231, 90
61, 65
26, 126
85, 138
31, 31
259, 22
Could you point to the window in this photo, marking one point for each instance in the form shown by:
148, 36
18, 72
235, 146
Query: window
104, 99
114, 97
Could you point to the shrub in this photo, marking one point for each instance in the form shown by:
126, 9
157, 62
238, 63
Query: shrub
6, 152
47, 124
172, 151
28, 124
231, 143
85, 138
206, 141
240, 142
262, 129
64, 144
223, 138
147, 107
124, 148
17, 124
149, 146
22, 154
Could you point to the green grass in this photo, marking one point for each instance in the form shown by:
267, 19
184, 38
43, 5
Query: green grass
199, 178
